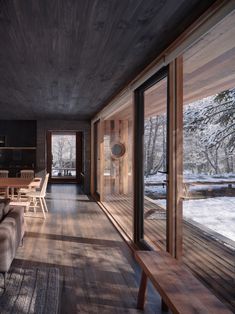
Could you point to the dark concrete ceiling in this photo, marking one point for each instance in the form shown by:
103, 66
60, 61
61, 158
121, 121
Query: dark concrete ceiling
63, 59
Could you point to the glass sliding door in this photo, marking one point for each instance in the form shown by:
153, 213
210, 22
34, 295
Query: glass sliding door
209, 159
97, 158
64, 156
153, 103
63, 149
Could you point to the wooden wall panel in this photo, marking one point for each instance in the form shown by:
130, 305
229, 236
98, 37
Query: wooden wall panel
175, 151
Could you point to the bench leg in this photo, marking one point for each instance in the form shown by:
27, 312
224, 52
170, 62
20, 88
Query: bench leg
142, 291
164, 307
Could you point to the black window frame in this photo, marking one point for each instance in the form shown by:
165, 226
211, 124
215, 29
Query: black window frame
138, 232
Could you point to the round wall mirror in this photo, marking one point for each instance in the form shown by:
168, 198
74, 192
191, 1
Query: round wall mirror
118, 150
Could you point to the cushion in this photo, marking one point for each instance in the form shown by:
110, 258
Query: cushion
1, 213
4, 207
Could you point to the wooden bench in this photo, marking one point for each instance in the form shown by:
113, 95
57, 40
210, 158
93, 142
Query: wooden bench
181, 292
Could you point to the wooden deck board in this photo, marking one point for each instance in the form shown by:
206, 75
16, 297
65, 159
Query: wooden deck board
212, 262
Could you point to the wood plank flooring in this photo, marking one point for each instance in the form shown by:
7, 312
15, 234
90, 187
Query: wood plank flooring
97, 271
212, 262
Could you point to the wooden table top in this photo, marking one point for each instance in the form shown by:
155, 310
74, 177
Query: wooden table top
14, 182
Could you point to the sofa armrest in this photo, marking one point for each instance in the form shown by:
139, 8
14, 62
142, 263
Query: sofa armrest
11, 234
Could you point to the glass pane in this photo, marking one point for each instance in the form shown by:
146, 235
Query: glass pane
97, 156
63, 155
155, 164
209, 158
118, 184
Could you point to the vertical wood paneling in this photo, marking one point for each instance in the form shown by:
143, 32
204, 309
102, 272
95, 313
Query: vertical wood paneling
102, 158
48, 152
125, 159
175, 151
179, 158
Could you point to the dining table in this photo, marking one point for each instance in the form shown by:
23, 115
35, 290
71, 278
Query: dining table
14, 183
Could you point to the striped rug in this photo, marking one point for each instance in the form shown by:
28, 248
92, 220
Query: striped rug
34, 290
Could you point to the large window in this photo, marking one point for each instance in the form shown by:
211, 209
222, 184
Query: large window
155, 164
209, 157
184, 157
118, 181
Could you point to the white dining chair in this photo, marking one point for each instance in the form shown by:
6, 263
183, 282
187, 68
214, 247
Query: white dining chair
35, 196
27, 174
34, 186
3, 174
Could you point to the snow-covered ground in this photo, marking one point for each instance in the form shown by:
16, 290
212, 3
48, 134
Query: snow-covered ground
217, 214
189, 177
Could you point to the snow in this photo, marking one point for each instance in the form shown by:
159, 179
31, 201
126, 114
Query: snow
189, 177
207, 187
159, 189
159, 177
217, 214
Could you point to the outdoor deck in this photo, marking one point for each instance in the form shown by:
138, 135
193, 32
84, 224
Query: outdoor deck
211, 261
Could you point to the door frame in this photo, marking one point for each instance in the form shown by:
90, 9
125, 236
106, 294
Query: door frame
79, 157
95, 158
139, 155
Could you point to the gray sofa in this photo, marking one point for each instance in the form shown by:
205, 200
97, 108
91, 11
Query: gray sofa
11, 234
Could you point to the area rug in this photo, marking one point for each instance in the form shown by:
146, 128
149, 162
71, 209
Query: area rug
31, 290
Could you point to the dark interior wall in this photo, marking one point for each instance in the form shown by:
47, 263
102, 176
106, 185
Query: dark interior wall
19, 132
18, 145
63, 125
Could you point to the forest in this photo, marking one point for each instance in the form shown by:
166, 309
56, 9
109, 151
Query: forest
209, 137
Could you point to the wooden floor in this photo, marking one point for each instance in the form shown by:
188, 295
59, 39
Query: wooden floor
97, 271
212, 262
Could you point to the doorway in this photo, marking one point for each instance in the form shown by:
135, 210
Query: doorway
64, 156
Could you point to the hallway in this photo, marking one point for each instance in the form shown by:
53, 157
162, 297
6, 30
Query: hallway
97, 271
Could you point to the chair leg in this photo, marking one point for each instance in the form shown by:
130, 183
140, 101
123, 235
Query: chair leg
34, 204
42, 207
45, 204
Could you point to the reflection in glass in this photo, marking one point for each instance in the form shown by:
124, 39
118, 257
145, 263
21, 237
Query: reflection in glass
118, 185
209, 158
155, 164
